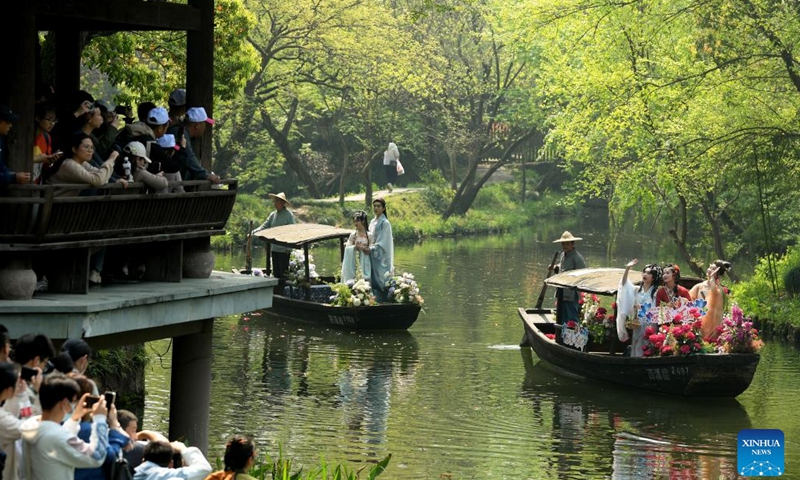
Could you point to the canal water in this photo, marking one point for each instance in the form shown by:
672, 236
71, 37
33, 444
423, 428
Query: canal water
455, 397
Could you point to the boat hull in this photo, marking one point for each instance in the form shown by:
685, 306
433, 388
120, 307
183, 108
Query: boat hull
389, 316
709, 375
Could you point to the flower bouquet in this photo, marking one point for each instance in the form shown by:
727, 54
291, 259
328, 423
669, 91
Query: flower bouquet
737, 335
403, 289
297, 269
352, 293
677, 338
596, 319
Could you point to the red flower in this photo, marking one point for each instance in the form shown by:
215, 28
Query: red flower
685, 349
550, 336
678, 318
614, 305
572, 324
666, 350
649, 331
690, 335
595, 299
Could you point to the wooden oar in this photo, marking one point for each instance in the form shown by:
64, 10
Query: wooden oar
248, 257
544, 285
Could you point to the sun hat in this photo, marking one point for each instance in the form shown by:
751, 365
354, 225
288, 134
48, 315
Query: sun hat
158, 116
198, 115
178, 97
137, 149
567, 237
280, 196
7, 114
167, 141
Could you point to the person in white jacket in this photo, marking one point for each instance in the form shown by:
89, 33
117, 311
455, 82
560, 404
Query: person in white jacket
52, 451
9, 423
158, 465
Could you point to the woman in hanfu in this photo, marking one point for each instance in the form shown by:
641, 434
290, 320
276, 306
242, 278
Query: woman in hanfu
382, 249
712, 292
670, 292
356, 263
630, 300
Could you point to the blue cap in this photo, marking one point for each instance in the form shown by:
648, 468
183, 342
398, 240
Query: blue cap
158, 116
7, 114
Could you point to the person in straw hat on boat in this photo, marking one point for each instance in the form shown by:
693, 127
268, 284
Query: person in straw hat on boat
281, 216
567, 307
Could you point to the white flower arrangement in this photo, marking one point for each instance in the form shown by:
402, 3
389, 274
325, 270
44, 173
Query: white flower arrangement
403, 288
297, 268
352, 293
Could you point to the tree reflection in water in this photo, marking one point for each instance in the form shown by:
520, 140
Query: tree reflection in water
646, 435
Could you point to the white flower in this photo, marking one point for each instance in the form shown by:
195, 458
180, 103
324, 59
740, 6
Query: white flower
356, 302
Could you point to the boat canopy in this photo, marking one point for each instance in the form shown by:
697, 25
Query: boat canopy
604, 281
301, 234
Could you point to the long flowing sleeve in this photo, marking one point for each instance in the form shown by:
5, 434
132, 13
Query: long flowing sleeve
626, 297
382, 250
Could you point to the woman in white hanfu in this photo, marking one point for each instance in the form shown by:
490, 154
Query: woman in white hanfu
381, 250
356, 263
630, 299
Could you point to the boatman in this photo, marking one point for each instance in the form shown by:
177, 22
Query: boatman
567, 307
281, 216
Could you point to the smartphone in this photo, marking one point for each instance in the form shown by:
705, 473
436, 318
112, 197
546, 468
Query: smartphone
28, 373
110, 397
91, 400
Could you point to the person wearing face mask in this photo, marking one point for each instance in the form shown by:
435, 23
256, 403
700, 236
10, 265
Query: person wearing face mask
51, 450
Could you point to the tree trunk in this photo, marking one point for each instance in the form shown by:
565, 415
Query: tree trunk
680, 239
281, 138
345, 164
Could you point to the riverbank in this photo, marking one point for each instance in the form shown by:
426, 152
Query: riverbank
415, 212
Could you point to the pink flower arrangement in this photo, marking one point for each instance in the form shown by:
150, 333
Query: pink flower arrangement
737, 335
675, 339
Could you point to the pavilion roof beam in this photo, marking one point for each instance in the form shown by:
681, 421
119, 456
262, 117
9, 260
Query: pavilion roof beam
109, 15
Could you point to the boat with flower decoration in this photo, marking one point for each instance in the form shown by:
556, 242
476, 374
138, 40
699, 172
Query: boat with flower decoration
309, 297
700, 372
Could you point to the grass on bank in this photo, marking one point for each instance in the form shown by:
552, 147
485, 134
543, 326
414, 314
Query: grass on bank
413, 215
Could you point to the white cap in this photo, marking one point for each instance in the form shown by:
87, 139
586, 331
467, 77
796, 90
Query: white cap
137, 149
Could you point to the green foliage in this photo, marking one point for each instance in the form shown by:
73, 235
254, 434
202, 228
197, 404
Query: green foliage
437, 193
248, 208
791, 280
282, 468
757, 297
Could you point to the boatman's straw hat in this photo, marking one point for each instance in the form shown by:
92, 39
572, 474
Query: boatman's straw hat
280, 196
567, 237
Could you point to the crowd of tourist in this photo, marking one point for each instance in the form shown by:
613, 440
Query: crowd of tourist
63, 123
56, 425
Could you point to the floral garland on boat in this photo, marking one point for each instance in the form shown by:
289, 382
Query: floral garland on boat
596, 318
352, 293
682, 334
403, 288
297, 269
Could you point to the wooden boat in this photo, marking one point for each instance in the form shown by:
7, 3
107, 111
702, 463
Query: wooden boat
311, 304
704, 375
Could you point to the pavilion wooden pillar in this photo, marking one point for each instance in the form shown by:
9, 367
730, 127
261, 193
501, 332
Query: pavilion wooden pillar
68, 62
200, 73
19, 37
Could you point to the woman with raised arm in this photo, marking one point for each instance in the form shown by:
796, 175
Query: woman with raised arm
712, 292
630, 300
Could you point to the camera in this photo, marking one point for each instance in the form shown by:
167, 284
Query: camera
91, 400
122, 109
110, 397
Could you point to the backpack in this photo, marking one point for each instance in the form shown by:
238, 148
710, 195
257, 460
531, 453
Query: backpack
117, 469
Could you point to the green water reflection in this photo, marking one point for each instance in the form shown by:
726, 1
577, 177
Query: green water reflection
455, 396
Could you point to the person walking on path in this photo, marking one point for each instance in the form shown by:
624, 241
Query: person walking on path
281, 216
567, 307
390, 158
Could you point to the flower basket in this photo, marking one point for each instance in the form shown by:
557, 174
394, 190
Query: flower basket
296, 273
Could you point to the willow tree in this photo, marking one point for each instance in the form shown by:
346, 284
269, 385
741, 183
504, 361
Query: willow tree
653, 103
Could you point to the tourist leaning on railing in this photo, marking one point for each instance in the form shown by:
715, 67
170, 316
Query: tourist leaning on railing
75, 169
